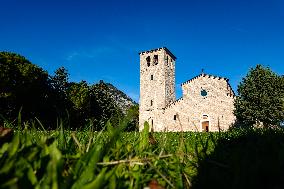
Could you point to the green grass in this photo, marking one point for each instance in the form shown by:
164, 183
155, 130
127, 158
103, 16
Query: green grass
117, 159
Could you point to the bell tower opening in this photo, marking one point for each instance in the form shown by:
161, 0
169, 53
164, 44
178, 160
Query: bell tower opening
148, 60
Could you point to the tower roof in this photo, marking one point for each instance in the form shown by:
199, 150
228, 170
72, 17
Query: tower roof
165, 48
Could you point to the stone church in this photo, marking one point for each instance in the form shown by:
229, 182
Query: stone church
206, 104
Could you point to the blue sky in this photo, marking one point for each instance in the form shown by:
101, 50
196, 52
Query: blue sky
100, 39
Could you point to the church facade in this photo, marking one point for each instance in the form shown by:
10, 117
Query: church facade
207, 102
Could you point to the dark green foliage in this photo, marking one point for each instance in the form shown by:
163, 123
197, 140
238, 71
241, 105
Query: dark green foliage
24, 87
80, 96
103, 106
261, 98
60, 80
92, 103
133, 125
28, 89
60, 84
250, 159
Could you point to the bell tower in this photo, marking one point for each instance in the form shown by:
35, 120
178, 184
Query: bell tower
157, 86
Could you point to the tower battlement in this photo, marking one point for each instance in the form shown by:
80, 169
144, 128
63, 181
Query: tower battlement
158, 49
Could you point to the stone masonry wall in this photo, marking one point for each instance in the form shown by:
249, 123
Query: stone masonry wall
216, 107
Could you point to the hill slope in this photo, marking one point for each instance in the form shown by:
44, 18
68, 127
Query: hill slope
123, 101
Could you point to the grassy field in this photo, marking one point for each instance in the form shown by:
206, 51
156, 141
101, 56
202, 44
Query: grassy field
116, 159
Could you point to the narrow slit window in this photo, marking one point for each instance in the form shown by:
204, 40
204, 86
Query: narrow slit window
152, 77
175, 117
151, 103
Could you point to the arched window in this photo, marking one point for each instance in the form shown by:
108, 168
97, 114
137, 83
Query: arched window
148, 60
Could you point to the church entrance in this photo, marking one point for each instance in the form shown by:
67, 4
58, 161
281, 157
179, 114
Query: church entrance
205, 126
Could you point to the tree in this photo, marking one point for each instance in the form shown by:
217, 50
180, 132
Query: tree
9, 77
24, 86
261, 98
60, 80
133, 113
92, 103
103, 107
79, 95
28, 88
60, 85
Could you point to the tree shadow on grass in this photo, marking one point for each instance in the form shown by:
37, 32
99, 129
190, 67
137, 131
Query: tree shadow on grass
244, 159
